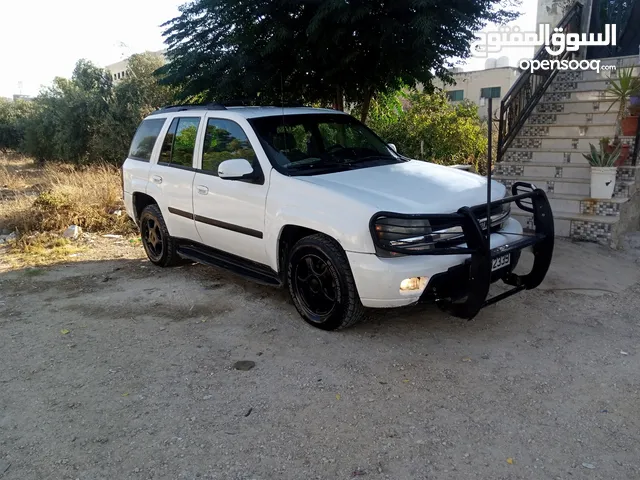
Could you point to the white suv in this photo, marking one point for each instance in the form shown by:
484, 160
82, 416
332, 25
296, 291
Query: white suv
314, 200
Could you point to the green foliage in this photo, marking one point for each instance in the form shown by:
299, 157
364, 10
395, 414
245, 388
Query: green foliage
13, 116
430, 127
621, 90
601, 157
321, 51
86, 118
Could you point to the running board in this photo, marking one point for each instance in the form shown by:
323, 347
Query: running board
245, 268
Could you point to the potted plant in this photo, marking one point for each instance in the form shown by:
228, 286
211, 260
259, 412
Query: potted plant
603, 170
621, 90
634, 105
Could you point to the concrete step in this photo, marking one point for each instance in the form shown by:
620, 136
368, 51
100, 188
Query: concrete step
604, 74
576, 106
574, 95
598, 84
568, 131
594, 228
624, 188
575, 171
572, 204
564, 143
557, 157
546, 170
570, 118
550, 184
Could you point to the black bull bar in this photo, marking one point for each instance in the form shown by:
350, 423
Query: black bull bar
463, 290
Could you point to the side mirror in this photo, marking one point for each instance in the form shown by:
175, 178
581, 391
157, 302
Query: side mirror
236, 169
392, 146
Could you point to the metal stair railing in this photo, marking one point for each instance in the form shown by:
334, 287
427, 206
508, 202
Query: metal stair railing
527, 91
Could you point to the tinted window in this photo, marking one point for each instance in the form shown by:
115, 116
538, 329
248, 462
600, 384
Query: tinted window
180, 141
319, 143
225, 140
145, 138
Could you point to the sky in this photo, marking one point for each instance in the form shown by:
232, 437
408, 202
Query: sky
42, 39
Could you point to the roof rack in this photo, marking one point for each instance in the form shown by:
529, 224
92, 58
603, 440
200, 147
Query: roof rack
220, 106
183, 108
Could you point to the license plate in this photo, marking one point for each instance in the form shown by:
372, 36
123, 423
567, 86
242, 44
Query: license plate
500, 262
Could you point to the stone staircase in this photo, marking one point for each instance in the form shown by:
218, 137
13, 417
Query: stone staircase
548, 153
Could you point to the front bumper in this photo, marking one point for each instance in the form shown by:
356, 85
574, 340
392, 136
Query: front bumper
460, 277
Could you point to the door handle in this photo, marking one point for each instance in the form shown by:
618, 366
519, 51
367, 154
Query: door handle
202, 190
156, 179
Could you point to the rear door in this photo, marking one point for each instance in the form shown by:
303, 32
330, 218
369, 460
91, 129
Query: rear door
135, 169
230, 213
171, 177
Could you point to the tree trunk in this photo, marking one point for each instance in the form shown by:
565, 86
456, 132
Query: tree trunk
366, 105
339, 101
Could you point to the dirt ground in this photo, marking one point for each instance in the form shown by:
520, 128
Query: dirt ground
114, 369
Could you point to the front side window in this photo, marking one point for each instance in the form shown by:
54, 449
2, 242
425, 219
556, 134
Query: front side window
179, 142
320, 143
145, 139
225, 140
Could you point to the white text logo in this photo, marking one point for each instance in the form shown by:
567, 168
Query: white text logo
555, 44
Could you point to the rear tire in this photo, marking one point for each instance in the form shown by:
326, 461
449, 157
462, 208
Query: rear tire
158, 244
321, 284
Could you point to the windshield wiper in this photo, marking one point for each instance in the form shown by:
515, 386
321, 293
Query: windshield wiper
369, 158
319, 166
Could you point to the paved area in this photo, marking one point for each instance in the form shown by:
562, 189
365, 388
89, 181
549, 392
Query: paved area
113, 369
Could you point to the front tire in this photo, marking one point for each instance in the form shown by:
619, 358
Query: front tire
158, 244
321, 284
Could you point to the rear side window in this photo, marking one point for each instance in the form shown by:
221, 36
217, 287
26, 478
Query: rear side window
179, 142
145, 139
225, 140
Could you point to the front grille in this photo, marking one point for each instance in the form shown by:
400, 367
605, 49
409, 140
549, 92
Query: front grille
499, 215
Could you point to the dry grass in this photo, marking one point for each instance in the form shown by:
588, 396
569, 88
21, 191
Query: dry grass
43, 249
49, 199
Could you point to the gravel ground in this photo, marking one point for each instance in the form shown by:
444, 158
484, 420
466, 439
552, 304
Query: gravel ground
114, 369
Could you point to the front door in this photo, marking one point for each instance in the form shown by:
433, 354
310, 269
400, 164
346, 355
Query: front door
171, 178
229, 214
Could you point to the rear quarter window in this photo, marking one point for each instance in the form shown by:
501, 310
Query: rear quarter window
145, 139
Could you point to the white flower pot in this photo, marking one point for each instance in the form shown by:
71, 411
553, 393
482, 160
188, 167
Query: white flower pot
603, 181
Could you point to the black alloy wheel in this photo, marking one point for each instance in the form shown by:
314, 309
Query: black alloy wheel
321, 284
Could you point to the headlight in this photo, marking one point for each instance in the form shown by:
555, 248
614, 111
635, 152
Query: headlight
403, 232
413, 235
395, 236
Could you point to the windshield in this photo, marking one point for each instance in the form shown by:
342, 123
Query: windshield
311, 144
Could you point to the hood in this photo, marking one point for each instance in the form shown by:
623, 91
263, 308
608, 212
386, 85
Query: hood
411, 187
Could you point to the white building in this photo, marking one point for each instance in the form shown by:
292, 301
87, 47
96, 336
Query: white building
120, 70
495, 81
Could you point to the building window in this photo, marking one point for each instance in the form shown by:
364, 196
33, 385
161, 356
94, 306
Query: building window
456, 95
490, 92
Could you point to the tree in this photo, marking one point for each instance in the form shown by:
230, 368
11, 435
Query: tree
66, 114
88, 118
427, 126
318, 51
13, 116
133, 98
